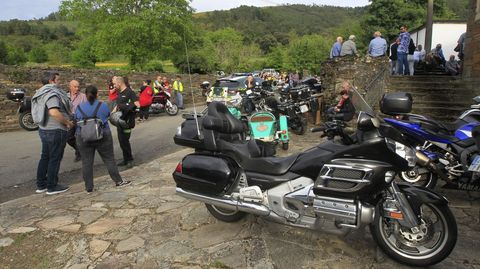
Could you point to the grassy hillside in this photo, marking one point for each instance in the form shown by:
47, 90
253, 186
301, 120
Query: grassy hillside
279, 21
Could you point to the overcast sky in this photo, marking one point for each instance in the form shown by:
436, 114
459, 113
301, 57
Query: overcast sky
29, 9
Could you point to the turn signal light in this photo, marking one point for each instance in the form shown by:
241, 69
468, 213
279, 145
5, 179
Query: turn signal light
396, 215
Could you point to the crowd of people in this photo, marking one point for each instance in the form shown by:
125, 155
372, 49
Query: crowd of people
403, 54
63, 117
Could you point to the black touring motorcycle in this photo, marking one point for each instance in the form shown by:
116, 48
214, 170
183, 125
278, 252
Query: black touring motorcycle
331, 187
24, 112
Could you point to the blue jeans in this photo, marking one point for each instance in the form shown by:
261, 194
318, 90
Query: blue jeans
402, 64
179, 99
53, 146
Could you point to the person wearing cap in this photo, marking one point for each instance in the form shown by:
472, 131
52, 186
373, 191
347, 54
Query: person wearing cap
378, 45
349, 47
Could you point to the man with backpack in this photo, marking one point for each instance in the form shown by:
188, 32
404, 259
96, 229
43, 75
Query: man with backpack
127, 103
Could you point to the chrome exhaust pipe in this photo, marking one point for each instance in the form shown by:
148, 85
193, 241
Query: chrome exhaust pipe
255, 209
424, 161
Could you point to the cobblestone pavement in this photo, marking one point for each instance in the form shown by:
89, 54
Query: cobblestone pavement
147, 226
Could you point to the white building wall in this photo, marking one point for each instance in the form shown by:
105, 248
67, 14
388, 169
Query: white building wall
446, 34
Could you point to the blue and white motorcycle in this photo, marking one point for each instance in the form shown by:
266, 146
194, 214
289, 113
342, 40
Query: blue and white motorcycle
450, 151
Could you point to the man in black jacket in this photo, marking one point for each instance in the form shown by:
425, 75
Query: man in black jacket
127, 102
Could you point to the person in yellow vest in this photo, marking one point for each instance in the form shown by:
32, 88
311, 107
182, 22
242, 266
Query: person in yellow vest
177, 91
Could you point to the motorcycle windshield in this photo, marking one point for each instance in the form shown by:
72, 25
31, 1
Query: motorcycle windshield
359, 102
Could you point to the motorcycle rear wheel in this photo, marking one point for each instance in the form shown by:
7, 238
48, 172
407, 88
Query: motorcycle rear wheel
25, 120
225, 215
419, 176
434, 242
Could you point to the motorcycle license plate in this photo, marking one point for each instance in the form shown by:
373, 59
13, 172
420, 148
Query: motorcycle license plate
475, 166
303, 108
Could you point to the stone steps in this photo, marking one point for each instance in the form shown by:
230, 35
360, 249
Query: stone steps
439, 96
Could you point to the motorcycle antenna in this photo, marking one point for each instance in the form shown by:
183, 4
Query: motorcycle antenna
191, 88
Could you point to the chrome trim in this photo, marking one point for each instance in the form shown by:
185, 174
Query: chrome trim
226, 202
466, 113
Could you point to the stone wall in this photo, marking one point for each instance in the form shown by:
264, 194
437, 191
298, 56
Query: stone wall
359, 71
29, 79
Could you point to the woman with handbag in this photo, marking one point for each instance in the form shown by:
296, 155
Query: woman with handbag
103, 142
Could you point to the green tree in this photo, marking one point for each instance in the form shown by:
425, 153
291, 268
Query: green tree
38, 55
84, 55
15, 56
141, 30
387, 16
307, 53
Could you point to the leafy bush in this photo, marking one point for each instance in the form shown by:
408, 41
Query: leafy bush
15, 56
153, 65
3, 52
38, 55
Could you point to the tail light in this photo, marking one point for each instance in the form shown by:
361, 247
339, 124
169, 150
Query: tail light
178, 169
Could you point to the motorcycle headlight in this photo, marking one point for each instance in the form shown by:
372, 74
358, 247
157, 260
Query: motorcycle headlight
403, 151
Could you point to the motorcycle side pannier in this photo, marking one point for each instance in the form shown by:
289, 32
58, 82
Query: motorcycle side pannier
395, 103
205, 174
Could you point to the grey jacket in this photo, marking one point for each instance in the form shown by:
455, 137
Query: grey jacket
40, 98
348, 48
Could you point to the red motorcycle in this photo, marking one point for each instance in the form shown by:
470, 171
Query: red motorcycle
161, 103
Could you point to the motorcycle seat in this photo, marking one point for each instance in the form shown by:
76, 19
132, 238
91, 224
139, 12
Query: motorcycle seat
447, 128
248, 155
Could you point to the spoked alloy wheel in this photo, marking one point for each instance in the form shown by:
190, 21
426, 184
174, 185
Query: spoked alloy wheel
224, 214
419, 176
25, 120
433, 242
171, 110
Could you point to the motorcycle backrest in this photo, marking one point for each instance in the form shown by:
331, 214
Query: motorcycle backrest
221, 120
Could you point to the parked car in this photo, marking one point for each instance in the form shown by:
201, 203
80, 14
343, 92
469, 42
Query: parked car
271, 71
235, 83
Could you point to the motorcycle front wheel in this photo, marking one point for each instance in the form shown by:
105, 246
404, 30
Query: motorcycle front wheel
25, 120
225, 215
172, 110
433, 242
419, 176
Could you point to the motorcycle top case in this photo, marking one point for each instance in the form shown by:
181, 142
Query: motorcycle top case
15, 95
187, 134
206, 174
395, 103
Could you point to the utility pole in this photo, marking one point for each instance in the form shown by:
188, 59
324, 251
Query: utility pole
429, 27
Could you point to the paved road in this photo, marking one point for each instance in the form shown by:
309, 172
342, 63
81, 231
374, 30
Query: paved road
21, 151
